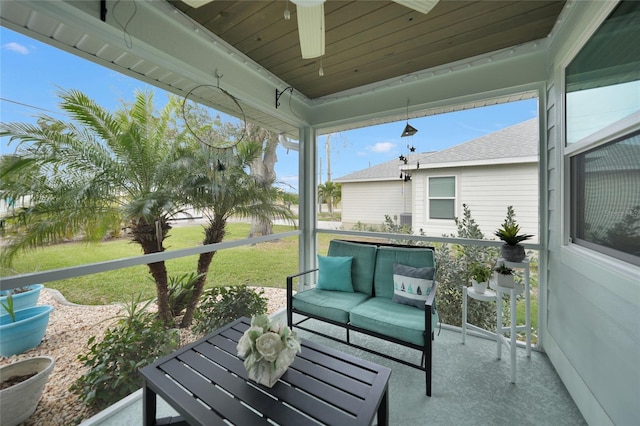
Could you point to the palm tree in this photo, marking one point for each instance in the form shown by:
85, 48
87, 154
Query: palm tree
90, 175
262, 167
224, 188
331, 192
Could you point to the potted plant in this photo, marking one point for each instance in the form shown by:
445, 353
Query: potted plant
480, 274
503, 276
21, 386
511, 250
23, 297
23, 329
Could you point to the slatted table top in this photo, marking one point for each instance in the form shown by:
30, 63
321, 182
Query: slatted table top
206, 382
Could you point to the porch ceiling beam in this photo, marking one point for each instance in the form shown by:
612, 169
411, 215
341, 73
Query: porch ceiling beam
521, 68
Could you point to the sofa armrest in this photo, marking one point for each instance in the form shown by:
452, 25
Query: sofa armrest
428, 304
290, 293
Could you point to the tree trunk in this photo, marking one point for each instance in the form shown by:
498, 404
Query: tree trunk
263, 169
214, 233
147, 236
260, 227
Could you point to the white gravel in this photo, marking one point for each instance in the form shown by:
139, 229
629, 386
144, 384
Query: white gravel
69, 329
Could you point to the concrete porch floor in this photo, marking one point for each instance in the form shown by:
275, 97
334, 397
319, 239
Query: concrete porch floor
470, 386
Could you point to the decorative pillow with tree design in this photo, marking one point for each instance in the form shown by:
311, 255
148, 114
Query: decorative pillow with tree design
411, 286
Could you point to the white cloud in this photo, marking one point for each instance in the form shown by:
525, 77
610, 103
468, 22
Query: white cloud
382, 147
16, 47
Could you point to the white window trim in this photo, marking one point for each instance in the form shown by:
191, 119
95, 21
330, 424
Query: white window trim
455, 198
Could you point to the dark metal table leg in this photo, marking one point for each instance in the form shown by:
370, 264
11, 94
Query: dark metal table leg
383, 409
149, 407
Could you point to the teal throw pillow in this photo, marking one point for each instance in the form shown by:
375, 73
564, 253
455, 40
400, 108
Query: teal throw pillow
411, 286
334, 273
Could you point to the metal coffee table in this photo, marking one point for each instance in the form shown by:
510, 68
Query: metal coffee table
206, 383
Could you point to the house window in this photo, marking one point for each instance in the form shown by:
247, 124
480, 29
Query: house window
602, 86
606, 198
442, 197
602, 83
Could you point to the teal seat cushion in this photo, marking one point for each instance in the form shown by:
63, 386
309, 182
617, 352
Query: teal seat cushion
391, 319
387, 256
362, 266
334, 273
332, 305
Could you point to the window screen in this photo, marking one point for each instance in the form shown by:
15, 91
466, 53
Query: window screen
606, 198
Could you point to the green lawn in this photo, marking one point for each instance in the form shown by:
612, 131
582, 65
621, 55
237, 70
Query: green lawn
265, 264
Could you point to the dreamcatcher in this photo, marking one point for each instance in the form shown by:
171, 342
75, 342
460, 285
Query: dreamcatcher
220, 139
215, 97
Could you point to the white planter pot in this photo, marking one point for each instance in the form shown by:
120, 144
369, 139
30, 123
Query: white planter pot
18, 402
479, 288
503, 280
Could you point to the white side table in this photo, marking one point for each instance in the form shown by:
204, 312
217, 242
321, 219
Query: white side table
487, 296
524, 265
513, 326
497, 296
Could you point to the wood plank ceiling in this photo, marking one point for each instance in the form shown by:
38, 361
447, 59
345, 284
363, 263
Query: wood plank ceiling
371, 41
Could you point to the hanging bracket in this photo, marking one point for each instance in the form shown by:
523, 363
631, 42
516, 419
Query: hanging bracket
279, 93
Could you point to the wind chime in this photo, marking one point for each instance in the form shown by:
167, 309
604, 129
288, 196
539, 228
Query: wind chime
409, 130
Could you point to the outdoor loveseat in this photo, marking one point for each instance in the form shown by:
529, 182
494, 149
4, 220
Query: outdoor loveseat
382, 290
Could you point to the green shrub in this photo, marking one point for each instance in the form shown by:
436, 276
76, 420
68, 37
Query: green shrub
454, 271
137, 339
362, 227
221, 305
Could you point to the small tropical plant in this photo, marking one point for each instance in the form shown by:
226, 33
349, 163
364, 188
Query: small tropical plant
181, 292
9, 308
503, 270
222, 305
480, 272
138, 339
510, 230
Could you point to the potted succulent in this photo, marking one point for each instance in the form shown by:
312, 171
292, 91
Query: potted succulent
23, 297
503, 276
480, 275
21, 330
510, 234
21, 386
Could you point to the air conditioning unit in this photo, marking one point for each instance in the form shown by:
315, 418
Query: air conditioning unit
405, 219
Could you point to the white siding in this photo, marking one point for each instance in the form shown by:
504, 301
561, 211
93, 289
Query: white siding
487, 190
369, 202
592, 333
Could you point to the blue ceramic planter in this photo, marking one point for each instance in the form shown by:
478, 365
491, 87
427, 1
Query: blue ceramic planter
22, 300
26, 332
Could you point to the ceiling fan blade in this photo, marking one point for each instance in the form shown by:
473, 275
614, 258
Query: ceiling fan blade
310, 27
196, 3
422, 6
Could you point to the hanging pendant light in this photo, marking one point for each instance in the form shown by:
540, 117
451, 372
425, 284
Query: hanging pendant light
287, 14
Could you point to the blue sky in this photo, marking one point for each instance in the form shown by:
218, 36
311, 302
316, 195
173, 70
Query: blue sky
31, 73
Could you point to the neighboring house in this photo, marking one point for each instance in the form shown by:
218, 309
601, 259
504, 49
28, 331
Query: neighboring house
488, 174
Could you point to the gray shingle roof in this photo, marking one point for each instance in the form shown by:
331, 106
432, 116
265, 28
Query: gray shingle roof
517, 141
